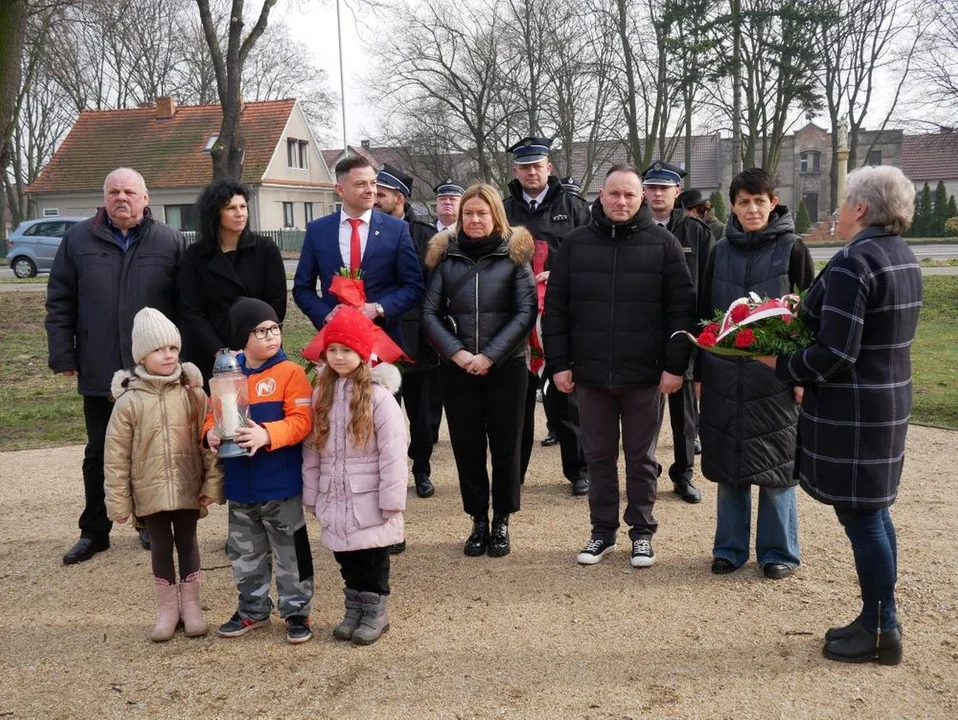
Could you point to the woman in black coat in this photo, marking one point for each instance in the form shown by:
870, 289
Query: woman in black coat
479, 309
226, 262
863, 309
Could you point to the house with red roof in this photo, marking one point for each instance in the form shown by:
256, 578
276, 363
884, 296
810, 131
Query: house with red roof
169, 145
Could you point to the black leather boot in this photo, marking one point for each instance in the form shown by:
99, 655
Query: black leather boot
838, 633
499, 540
861, 646
478, 540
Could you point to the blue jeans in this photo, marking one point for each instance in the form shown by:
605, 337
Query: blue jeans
875, 547
776, 537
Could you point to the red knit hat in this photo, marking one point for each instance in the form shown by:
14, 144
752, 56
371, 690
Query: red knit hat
351, 328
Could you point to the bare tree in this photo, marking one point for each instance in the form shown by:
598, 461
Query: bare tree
938, 65
228, 151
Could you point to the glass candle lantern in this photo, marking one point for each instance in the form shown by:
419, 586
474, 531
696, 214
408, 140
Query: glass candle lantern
230, 394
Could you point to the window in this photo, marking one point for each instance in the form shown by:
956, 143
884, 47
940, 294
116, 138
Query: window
297, 155
48, 229
874, 157
288, 220
181, 217
810, 163
210, 143
50, 212
308, 207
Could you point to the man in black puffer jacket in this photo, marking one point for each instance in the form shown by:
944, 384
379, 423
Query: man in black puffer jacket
619, 289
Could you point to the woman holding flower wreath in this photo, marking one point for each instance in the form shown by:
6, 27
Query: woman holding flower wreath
748, 417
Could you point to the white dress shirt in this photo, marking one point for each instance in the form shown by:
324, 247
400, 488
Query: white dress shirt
440, 227
538, 198
346, 232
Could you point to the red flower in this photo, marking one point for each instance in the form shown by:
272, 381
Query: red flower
739, 313
712, 328
744, 338
707, 338
787, 319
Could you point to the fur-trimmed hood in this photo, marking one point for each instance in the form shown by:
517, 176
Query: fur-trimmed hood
519, 245
388, 376
140, 379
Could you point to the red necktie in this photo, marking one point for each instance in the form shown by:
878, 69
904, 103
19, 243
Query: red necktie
355, 251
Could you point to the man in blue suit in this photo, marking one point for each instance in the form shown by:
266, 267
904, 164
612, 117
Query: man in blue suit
359, 238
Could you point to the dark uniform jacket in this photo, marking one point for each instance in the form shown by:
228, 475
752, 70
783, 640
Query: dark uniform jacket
95, 290
616, 295
748, 417
493, 312
414, 343
863, 309
696, 240
210, 281
559, 213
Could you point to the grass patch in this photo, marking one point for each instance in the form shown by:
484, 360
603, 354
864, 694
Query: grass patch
40, 409
37, 280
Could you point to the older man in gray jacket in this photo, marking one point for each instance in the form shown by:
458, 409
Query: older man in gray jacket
106, 270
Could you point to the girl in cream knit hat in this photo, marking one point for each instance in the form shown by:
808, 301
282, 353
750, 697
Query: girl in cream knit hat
156, 468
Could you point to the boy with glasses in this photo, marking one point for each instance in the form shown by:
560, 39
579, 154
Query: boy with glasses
264, 489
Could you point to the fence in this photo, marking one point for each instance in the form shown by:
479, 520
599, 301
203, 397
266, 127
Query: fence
286, 240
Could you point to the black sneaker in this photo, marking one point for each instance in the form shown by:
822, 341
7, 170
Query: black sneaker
594, 551
297, 629
236, 626
642, 553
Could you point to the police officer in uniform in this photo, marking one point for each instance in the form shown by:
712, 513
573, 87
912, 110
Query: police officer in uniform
662, 184
393, 189
537, 201
448, 195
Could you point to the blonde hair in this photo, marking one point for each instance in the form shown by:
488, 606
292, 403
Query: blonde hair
361, 426
490, 196
888, 195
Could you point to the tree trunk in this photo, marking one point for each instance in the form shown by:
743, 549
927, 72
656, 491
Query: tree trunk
736, 87
13, 30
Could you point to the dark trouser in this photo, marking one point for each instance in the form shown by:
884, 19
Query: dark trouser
435, 401
528, 424
480, 407
684, 419
93, 520
174, 527
562, 410
365, 570
415, 395
600, 410
875, 547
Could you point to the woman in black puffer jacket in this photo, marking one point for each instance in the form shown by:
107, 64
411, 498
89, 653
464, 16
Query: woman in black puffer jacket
479, 309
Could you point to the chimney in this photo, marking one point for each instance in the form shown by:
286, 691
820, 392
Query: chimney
165, 108
365, 144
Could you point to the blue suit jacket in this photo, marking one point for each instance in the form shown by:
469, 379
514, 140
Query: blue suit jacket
392, 275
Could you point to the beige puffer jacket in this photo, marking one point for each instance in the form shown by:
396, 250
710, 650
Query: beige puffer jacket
153, 458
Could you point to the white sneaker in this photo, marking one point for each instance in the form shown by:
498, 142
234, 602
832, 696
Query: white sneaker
642, 553
594, 551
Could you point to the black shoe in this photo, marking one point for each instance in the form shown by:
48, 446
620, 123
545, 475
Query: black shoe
499, 538
298, 630
549, 440
144, 538
424, 486
580, 486
840, 633
478, 540
687, 491
776, 571
397, 548
84, 549
862, 646
721, 566
698, 446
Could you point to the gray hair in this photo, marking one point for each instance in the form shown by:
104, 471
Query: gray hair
888, 195
106, 180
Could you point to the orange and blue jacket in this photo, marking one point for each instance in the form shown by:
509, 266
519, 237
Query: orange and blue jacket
279, 400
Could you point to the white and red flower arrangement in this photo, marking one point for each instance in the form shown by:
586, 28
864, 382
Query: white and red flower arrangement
755, 326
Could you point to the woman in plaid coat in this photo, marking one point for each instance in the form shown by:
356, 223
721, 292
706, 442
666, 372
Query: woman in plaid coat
863, 308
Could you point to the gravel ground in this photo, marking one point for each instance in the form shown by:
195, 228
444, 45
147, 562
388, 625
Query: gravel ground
527, 636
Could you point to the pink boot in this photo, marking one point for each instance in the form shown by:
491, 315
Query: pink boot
168, 604
193, 622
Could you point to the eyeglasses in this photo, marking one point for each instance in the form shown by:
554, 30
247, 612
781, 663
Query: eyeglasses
262, 333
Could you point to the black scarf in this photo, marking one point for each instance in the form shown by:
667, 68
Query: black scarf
474, 249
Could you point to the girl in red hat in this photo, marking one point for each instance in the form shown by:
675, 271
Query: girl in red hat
354, 469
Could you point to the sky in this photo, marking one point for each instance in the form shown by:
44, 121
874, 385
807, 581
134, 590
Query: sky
314, 23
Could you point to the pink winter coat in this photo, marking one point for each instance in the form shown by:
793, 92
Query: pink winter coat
359, 493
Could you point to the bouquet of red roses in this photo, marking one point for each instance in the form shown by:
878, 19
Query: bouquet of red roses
755, 326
